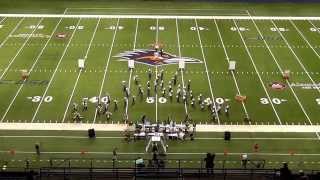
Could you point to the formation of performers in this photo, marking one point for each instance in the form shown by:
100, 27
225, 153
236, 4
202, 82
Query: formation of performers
172, 91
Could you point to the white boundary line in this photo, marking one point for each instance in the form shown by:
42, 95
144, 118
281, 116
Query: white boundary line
31, 69
162, 17
121, 137
11, 32
21, 49
207, 71
106, 68
122, 127
254, 65
53, 75
131, 70
80, 71
232, 72
287, 81
181, 71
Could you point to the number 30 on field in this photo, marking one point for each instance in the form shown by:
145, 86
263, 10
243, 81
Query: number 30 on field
274, 101
38, 98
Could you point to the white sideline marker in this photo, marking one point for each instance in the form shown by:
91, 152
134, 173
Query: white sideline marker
131, 64
182, 64
232, 65
81, 63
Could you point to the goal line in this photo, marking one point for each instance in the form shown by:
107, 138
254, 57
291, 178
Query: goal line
160, 17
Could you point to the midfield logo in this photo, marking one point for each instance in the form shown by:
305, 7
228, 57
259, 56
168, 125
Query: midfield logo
154, 58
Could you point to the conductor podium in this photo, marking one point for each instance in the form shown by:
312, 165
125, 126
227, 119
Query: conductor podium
156, 142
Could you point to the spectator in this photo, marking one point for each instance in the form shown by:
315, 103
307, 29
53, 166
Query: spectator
285, 173
209, 163
244, 160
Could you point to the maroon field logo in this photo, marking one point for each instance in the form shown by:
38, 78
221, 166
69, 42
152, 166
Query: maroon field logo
277, 86
154, 58
61, 35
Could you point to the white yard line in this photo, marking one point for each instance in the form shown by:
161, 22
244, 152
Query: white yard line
287, 81
232, 72
207, 71
80, 72
181, 70
156, 73
106, 68
131, 70
134, 16
30, 70
255, 67
11, 32
20, 50
55, 71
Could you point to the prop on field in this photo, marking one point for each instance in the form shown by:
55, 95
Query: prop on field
12, 151
83, 152
286, 74
24, 74
291, 152
240, 98
225, 152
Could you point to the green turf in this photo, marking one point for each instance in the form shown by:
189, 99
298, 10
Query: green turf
108, 43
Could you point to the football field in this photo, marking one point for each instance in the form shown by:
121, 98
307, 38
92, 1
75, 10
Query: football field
274, 87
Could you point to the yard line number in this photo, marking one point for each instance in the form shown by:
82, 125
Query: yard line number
239, 28
74, 27
281, 29
35, 26
276, 101
38, 98
311, 29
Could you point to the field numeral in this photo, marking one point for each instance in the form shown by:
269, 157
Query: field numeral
218, 100
200, 28
151, 100
38, 99
153, 28
240, 29
314, 29
280, 29
34, 27
74, 27
274, 101
114, 27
